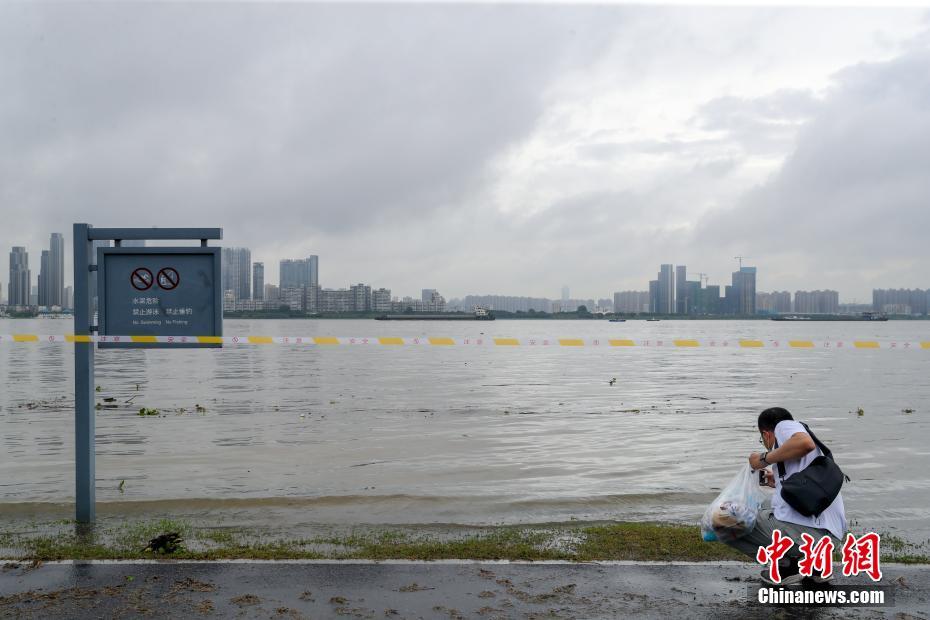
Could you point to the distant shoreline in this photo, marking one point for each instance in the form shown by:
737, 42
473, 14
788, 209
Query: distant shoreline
505, 316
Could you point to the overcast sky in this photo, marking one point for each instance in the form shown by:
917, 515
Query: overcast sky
481, 149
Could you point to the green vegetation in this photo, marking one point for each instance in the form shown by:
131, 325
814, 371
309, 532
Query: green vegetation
896, 549
573, 541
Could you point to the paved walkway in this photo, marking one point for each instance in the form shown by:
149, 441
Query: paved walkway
415, 590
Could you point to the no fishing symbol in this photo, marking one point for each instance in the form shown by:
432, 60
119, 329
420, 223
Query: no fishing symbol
168, 278
141, 279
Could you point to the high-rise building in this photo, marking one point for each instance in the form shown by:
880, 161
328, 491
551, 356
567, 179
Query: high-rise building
237, 276
55, 285
728, 304
427, 294
901, 301
68, 302
744, 291
43, 287
709, 301
258, 281
506, 303
565, 293
681, 292
631, 301
295, 273
781, 301
313, 265
653, 296
20, 284
666, 296
272, 293
691, 292
817, 302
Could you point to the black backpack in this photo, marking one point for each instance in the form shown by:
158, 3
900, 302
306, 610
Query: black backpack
812, 490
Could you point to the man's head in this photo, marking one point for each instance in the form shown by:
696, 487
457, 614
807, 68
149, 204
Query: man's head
768, 419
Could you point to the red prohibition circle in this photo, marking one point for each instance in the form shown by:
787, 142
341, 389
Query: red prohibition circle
168, 278
141, 279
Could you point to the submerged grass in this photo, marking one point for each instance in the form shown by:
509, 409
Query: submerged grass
573, 542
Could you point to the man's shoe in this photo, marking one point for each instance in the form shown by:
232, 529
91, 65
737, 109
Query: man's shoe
817, 577
790, 576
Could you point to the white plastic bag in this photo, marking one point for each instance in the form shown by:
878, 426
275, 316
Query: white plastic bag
733, 513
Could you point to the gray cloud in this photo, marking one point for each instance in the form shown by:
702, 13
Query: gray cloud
854, 195
762, 125
343, 115
374, 135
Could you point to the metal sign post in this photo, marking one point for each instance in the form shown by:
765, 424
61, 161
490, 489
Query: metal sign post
84, 427
169, 278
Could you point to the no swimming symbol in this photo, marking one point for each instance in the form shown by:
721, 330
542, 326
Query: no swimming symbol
141, 279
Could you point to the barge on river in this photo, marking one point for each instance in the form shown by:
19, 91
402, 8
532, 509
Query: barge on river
479, 314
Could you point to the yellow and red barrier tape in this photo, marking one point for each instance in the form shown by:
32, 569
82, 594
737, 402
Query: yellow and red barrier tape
735, 343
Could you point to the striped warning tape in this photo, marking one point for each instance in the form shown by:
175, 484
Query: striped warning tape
480, 341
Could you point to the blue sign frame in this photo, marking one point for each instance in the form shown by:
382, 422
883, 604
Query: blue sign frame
158, 280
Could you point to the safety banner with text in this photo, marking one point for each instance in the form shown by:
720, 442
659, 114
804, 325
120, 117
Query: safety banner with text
736, 343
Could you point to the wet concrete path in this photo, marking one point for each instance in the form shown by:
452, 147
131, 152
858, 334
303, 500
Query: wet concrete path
415, 590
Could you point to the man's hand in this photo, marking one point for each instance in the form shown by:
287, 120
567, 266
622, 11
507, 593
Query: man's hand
755, 460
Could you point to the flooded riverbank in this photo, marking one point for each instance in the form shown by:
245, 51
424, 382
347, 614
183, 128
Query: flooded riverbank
467, 436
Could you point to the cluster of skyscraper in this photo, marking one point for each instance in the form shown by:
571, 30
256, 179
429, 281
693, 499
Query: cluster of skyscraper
672, 293
299, 289
50, 291
805, 302
901, 301
244, 286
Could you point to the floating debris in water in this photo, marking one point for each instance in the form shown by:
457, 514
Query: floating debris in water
907, 410
860, 412
164, 543
612, 381
146, 411
122, 483
98, 389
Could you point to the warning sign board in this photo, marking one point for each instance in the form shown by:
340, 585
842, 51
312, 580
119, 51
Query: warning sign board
159, 292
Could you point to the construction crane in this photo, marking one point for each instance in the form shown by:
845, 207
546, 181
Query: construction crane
740, 259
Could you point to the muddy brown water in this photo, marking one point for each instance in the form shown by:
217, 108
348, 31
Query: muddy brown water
470, 436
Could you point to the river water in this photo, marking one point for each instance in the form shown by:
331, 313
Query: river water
467, 435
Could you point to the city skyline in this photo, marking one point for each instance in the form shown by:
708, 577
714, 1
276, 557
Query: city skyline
671, 293
803, 143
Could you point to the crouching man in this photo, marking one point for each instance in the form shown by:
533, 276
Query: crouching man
795, 450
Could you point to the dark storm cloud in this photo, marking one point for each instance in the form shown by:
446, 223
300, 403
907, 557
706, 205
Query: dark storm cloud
281, 121
854, 195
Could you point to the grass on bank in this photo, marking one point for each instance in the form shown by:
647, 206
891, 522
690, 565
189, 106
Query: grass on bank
580, 543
